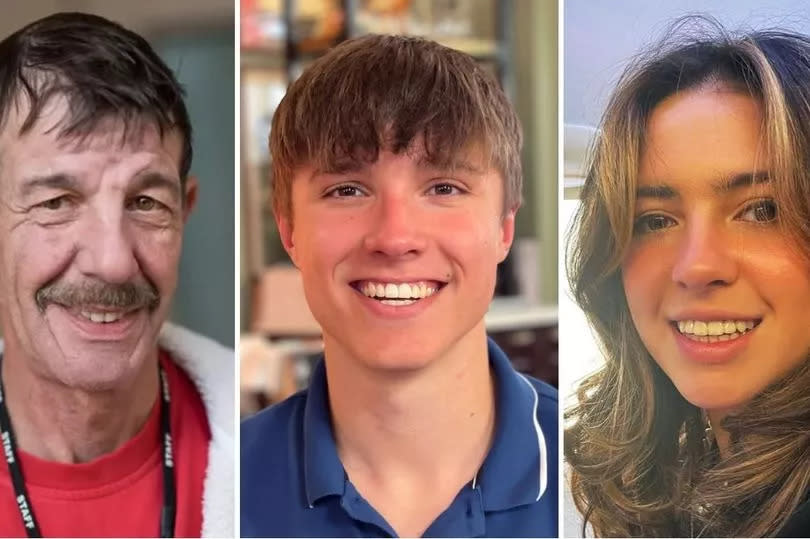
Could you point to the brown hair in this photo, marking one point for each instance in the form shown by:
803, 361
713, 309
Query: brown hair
382, 92
103, 69
640, 461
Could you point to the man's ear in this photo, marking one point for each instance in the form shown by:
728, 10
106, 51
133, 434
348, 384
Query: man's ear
189, 197
507, 234
285, 232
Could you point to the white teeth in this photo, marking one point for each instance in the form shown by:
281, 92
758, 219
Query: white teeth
404, 293
398, 302
102, 317
715, 330
686, 326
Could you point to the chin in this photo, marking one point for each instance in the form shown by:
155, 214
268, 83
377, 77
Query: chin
397, 359
713, 396
100, 374
396, 363
95, 367
395, 355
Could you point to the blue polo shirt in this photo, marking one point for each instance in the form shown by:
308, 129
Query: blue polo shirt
294, 485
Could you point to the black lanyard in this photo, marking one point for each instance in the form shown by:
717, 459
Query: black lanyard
167, 513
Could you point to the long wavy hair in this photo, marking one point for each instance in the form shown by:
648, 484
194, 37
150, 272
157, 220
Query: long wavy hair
641, 462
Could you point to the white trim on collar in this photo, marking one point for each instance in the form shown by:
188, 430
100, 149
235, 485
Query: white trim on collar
541, 442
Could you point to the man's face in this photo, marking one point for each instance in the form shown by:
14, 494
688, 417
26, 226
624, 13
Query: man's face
392, 229
717, 291
90, 237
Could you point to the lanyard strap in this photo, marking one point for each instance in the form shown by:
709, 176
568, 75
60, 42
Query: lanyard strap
167, 513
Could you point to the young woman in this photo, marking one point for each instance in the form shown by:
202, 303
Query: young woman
690, 256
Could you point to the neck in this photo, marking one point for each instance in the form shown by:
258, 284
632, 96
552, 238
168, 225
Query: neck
721, 435
63, 424
433, 424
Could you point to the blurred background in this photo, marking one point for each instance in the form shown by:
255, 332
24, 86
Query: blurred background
517, 41
196, 39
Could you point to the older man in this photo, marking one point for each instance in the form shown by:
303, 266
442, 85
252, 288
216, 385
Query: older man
113, 423
396, 178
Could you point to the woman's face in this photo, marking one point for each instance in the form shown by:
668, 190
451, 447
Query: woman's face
720, 297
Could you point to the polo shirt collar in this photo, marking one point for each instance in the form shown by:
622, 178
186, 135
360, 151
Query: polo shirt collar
323, 471
514, 472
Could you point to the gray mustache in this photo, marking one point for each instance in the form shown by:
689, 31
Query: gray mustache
129, 296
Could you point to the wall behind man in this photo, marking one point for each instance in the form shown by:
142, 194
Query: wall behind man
536, 94
204, 65
144, 16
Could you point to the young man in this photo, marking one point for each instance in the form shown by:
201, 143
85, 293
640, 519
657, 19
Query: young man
396, 178
112, 422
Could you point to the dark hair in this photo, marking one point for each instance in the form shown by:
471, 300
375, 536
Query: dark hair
637, 448
382, 92
102, 69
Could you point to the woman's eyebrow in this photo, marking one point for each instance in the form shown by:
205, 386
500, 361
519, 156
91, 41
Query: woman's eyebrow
730, 183
657, 191
742, 180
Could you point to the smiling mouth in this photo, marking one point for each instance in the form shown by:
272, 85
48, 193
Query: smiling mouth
103, 317
99, 315
398, 294
711, 331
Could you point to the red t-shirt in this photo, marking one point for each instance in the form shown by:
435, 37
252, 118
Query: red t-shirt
119, 494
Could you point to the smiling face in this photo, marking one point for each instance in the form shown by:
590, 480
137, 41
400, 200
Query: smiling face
90, 237
718, 293
398, 258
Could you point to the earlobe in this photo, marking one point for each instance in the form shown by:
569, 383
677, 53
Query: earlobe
507, 234
285, 232
189, 197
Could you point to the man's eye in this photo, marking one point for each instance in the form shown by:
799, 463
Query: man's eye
344, 191
761, 211
56, 203
652, 223
143, 203
444, 189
